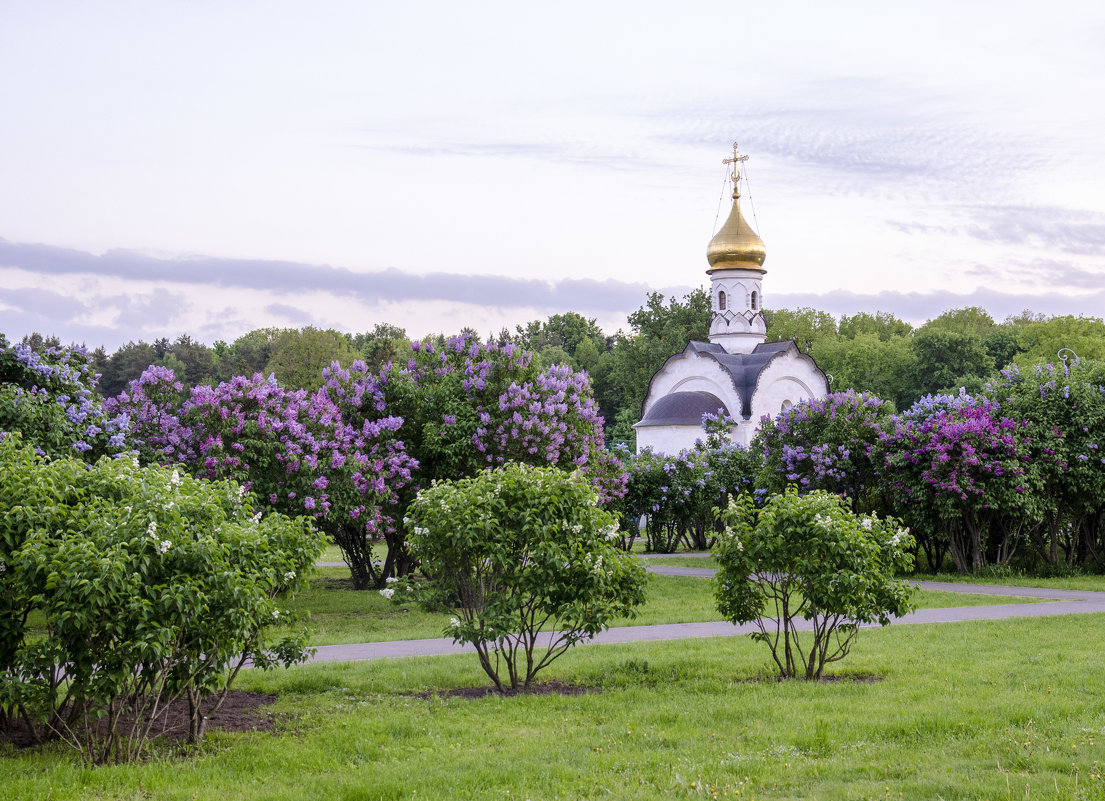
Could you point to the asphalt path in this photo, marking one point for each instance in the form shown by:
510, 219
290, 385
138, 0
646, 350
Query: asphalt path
1061, 602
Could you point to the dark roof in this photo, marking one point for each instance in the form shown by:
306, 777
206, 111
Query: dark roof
683, 409
744, 368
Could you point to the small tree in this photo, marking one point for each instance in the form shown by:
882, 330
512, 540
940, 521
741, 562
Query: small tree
809, 557
518, 551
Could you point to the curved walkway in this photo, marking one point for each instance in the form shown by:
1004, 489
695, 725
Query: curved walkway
1063, 602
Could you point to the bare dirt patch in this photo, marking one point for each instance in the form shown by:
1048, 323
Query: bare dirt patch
544, 688
241, 711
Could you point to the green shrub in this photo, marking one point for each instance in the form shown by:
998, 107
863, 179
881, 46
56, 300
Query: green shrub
518, 551
809, 557
150, 586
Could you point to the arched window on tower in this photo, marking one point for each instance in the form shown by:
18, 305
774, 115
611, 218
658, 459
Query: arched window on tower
755, 300
721, 301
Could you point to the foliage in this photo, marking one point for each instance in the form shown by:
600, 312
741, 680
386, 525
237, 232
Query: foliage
568, 338
806, 327
948, 360
658, 330
869, 363
883, 325
677, 493
1042, 340
517, 551
383, 344
49, 397
1063, 408
828, 444
808, 556
152, 586
301, 454
964, 468
297, 357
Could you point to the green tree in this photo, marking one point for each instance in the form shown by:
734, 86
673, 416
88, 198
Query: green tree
1042, 340
948, 360
868, 363
298, 356
658, 330
883, 325
517, 551
807, 327
248, 354
971, 320
125, 365
807, 556
382, 345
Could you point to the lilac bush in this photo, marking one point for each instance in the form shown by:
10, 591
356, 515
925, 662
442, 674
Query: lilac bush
152, 403
49, 397
967, 471
678, 493
297, 452
466, 406
1063, 406
826, 443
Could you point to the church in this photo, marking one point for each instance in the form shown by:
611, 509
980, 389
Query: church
737, 372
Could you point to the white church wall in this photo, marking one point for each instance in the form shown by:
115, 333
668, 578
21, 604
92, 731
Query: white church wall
668, 439
785, 381
694, 374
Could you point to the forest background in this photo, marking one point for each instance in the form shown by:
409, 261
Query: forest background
876, 353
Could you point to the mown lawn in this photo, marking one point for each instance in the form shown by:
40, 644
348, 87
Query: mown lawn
984, 710
338, 614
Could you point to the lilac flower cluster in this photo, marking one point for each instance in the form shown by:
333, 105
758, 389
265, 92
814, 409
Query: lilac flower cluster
970, 453
468, 405
297, 452
931, 405
49, 397
151, 403
825, 443
552, 419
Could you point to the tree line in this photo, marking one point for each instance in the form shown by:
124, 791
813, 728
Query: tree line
877, 353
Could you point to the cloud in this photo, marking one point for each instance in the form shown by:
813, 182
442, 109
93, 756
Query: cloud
43, 304
1076, 231
870, 134
294, 278
292, 313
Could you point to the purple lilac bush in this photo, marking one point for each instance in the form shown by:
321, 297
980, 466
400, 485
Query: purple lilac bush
1063, 406
49, 397
828, 444
964, 471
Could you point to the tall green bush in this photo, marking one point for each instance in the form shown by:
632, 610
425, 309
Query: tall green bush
808, 557
147, 586
527, 561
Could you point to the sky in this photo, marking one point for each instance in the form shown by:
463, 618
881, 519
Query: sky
185, 166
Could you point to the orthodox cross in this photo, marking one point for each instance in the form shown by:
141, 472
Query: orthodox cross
735, 161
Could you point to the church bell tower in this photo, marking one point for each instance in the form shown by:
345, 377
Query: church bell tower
736, 255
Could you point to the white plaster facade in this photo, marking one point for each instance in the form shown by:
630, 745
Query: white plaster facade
736, 301
748, 386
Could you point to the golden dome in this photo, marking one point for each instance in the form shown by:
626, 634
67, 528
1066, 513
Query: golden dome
736, 245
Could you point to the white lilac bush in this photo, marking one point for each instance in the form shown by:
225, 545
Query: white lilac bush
527, 562
144, 586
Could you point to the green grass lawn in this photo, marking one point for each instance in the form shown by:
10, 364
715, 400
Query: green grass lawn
682, 561
1009, 709
338, 614
1095, 583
